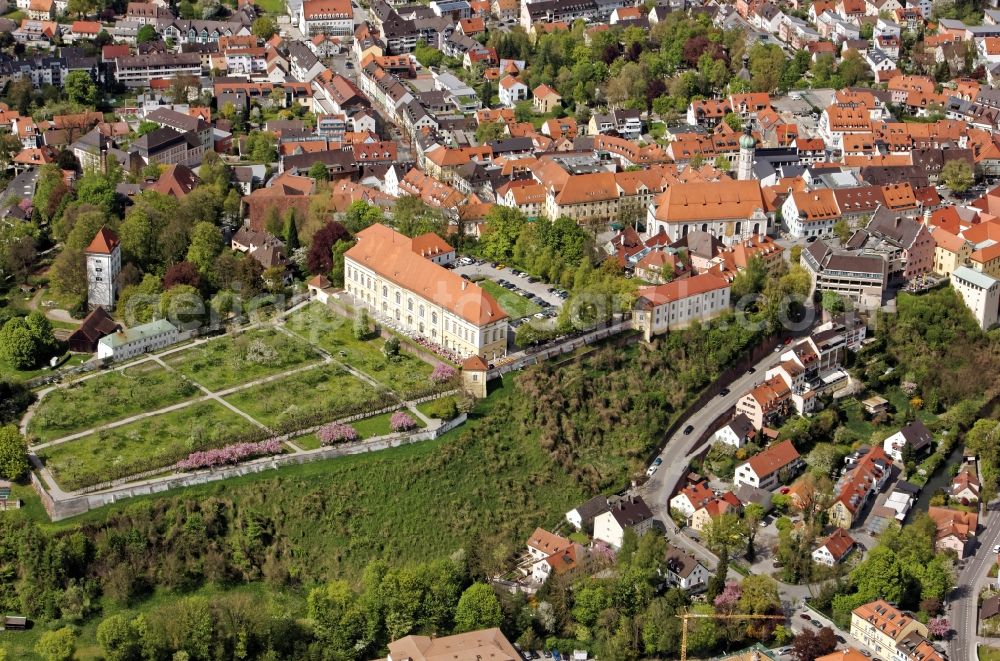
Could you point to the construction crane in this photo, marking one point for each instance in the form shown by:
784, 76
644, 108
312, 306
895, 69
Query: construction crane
716, 616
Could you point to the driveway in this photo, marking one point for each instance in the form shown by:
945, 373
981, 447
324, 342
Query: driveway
539, 289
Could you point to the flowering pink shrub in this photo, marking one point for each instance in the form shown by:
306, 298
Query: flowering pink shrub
231, 454
443, 373
401, 421
336, 432
939, 627
729, 595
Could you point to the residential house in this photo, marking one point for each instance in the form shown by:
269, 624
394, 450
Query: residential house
682, 570
545, 99
914, 436
950, 251
175, 181
880, 627
691, 498
713, 509
965, 486
512, 91
868, 471
582, 516
473, 646
834, 548
737, 432
768, 468
629, 513
542, 544
569, 561
767, 403
956, 530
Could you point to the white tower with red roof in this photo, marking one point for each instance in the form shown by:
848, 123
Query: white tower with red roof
104, 262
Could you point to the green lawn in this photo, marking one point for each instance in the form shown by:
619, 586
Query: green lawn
515, 305
989, 653
153, 442
108, 397
325, 389
307, 441
862, 429
235, 359
19, 376
272, 6
379, 425
404, 375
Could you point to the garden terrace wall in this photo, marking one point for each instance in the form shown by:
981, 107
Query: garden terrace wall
59, 509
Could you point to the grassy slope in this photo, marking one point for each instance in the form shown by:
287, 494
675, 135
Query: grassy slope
337, 513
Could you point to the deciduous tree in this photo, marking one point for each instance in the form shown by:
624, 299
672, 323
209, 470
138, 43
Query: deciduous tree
478, 608
13, 453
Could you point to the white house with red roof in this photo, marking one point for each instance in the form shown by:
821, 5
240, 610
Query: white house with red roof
834, 548
512, 91
104, 262
764, 469
680, 302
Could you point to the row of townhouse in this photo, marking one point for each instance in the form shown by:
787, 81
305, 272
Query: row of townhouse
802, 372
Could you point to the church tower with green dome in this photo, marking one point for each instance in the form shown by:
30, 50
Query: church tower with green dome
744, 166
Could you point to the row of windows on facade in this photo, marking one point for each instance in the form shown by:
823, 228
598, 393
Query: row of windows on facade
452, 327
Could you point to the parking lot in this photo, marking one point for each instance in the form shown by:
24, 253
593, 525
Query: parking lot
538, 289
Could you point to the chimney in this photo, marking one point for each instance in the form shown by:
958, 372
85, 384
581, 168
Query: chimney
464, 283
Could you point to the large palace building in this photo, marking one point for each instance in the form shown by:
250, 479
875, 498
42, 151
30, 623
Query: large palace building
399, 279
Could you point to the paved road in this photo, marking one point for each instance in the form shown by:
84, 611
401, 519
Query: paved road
680, 448
963, 605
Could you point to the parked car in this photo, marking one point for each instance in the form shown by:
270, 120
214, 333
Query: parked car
688, 429
651, 470
805, 616
840, 639
751, 370
658, 461
724, 392
816, 623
